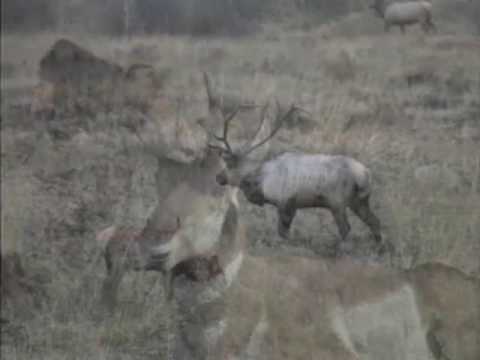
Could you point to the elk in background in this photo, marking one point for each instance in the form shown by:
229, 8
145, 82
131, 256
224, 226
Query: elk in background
403, 14
291, 307
296, 180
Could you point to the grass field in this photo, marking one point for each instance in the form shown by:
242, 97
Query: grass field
406, 106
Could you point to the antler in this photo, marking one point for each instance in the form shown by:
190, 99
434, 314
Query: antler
258, 129
224, 139
212, 101
213, 104
279, 123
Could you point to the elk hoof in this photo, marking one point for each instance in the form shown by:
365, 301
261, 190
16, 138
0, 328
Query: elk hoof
283, 234
337, 250
344, 247
384, 248
381, 249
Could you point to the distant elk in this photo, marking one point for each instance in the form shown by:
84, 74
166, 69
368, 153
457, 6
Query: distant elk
297, 180
403, 14
74, 78
290, 307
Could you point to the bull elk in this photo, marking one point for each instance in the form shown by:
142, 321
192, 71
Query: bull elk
296, 180
129, 250
291, 307
403, 14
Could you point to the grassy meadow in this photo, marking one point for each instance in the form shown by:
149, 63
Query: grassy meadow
406, 106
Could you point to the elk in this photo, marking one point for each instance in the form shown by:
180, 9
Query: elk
403, 14
296, 180
132, 250
291, 307
191, 171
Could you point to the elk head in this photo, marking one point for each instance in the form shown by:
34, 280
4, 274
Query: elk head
241, 170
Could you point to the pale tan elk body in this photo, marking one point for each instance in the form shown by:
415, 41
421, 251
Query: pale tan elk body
404, 14
176, 214
291, 307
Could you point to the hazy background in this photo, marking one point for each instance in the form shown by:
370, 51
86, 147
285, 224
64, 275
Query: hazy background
406, 106
120, 17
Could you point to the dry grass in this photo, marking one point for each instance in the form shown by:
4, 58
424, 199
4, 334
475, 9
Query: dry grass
395, 103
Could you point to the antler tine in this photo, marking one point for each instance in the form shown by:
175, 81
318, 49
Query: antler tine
224, 139
208, 86
258, 129
279, 124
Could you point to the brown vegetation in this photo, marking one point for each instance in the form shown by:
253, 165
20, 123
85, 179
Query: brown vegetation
396, 103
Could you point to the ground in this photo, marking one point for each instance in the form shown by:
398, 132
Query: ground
396, 103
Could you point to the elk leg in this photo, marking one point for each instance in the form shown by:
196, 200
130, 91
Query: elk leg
434, 342
168, 285
361, 208
402, 28
428, 25
340, 216
286, 214
425, 26
108, 262
110, 287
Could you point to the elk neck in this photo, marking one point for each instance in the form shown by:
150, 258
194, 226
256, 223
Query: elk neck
233, 244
